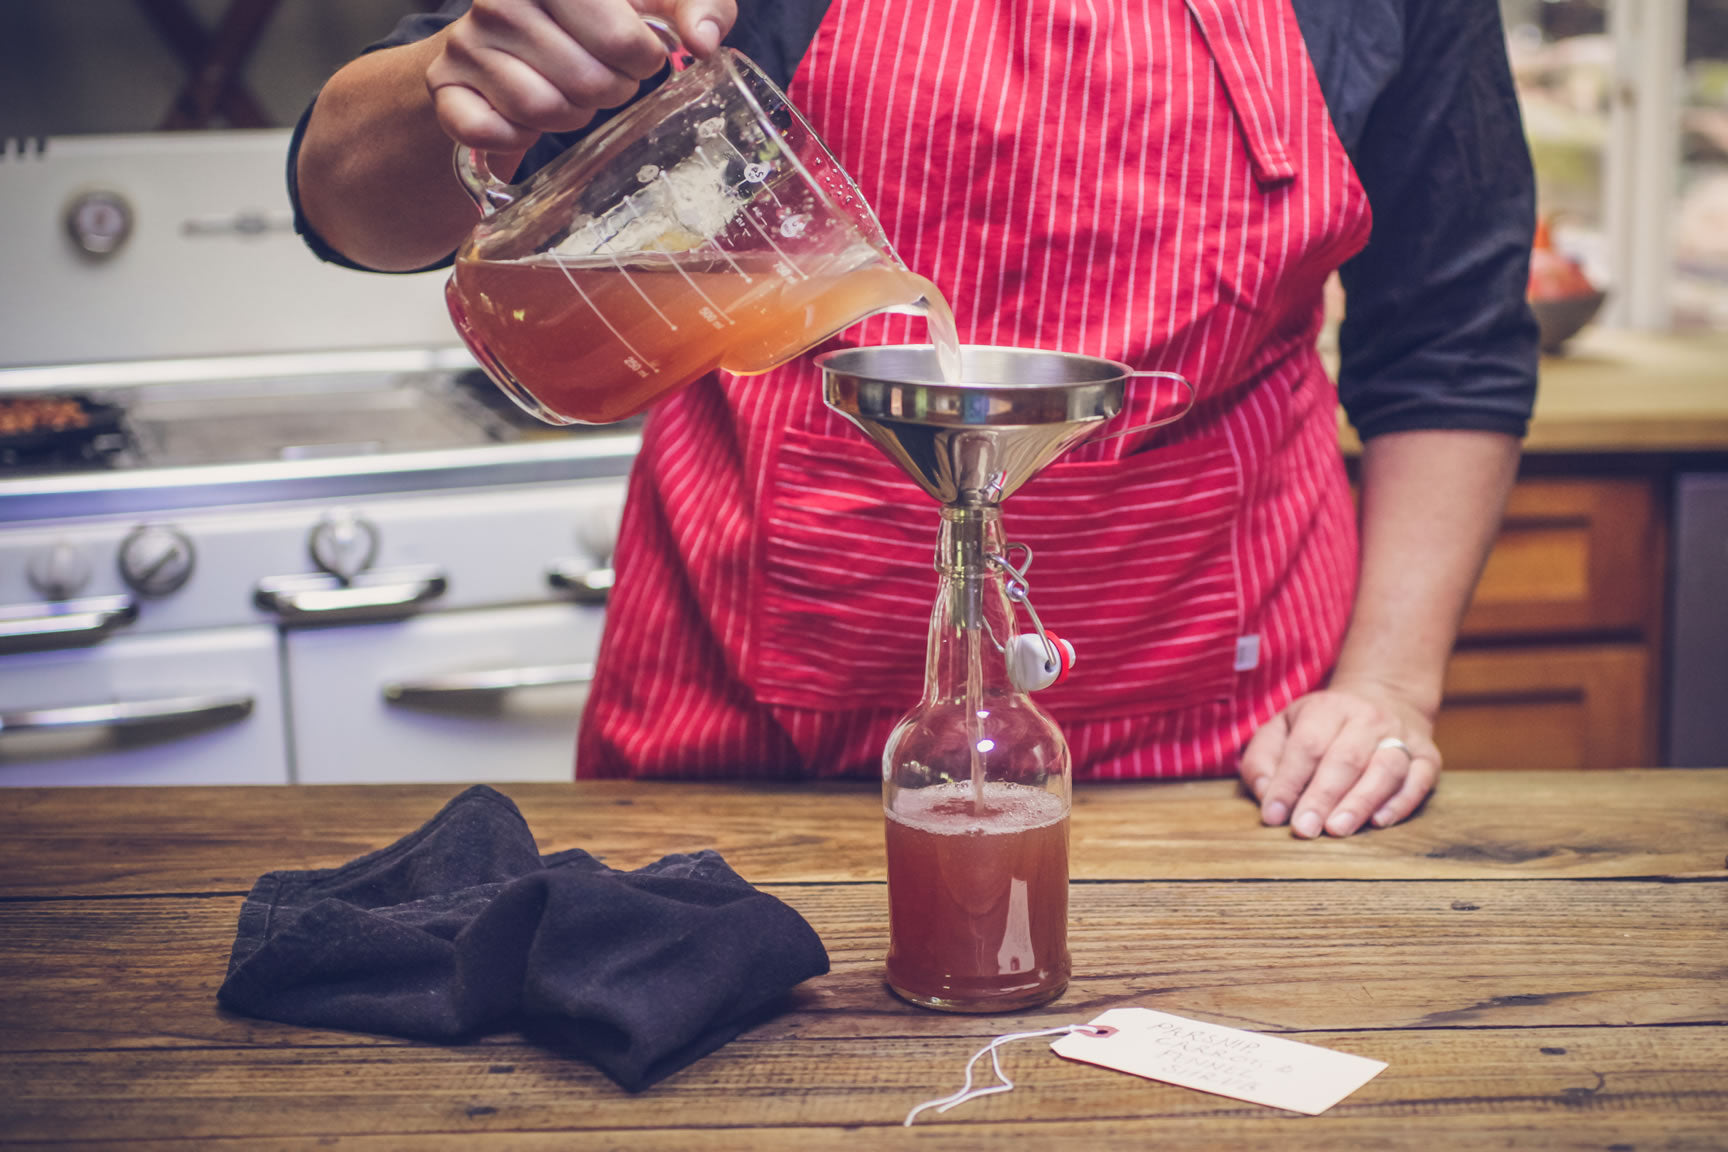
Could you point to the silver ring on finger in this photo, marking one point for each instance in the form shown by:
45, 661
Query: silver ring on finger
1394, 742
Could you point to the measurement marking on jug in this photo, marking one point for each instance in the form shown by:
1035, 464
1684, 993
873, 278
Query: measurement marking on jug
755, 172
631, 280
636, 361
745, 190
787, 269
714, 240
714, 243
706, 314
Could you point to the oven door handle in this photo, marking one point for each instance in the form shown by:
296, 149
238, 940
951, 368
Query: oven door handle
320, 599
129, 714
65, 623
490, 683
582, 583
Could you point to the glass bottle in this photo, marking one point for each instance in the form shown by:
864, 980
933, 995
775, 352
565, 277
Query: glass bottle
976, 797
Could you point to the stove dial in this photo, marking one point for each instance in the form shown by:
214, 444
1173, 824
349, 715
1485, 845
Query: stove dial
59, 571
100, 222
344, 544
156, 559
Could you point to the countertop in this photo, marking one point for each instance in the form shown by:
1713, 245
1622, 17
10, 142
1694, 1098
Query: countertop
1618, 391
1539, 957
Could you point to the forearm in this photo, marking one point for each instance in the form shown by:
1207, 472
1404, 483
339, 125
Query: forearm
375, 167
1431, 506
375, 173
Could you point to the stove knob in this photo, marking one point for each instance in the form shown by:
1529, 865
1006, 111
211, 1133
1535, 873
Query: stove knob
344, 544
59, 571
99, 222
156, 559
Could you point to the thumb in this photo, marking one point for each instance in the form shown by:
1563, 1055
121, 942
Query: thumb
703, 23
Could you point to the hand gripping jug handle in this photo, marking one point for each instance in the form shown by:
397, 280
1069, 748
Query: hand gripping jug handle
703, 228
475, 172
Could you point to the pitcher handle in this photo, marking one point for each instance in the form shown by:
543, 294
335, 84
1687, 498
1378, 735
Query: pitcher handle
475, 173
1187, 405
676, 54
485, 189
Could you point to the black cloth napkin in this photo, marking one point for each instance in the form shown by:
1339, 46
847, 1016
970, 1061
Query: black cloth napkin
462, 928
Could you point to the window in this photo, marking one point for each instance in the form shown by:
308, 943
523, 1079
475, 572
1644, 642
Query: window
1700, 287
1626, 107
114, 66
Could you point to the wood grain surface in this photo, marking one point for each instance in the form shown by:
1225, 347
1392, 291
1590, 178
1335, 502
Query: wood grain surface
114, 841
1541, 958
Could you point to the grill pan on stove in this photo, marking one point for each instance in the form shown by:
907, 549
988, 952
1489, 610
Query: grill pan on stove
58, 429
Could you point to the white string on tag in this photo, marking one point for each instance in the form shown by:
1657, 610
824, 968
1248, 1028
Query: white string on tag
967, 1092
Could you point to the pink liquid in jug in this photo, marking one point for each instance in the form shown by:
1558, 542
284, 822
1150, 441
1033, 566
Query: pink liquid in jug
599, 341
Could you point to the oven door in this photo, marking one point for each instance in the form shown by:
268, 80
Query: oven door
492, 694
198, 707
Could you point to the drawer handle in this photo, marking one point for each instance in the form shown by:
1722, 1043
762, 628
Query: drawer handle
491, 683
319, 599
129, 714
583, 584
64, 624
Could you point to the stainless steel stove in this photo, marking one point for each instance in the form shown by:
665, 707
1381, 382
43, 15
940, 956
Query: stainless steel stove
291, 534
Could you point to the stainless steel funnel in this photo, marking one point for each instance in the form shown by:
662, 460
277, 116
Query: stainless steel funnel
972, 444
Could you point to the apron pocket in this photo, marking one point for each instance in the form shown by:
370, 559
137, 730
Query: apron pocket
845, 578
1133, 564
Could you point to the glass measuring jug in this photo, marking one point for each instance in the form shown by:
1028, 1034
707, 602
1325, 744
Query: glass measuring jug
706, 226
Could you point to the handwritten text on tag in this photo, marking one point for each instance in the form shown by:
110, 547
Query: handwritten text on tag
1227, 1061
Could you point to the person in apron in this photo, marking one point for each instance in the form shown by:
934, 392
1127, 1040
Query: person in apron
1167, 183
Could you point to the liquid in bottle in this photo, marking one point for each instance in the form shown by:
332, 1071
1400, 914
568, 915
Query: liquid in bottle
978, 896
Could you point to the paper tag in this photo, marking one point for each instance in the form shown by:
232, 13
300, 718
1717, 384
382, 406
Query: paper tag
1226, 1061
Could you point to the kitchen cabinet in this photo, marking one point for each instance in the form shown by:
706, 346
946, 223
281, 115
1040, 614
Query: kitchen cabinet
1558, 706
492, 694
1696, 711
460, 649
1561, 661
1557, 655
201, 708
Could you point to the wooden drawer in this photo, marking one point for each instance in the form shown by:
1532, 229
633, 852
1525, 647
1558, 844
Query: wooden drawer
1561, 707
1574, 556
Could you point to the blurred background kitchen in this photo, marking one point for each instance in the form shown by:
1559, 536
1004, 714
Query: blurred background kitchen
261, 521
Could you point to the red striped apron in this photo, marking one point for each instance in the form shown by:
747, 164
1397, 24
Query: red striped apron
1151, 181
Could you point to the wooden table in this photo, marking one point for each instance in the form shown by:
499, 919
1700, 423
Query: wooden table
1541, 958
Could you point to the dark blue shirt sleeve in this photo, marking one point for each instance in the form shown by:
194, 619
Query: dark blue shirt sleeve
1438, 333
408, 30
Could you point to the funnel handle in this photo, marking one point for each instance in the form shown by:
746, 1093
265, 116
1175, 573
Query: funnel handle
1187, 405
491, 193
